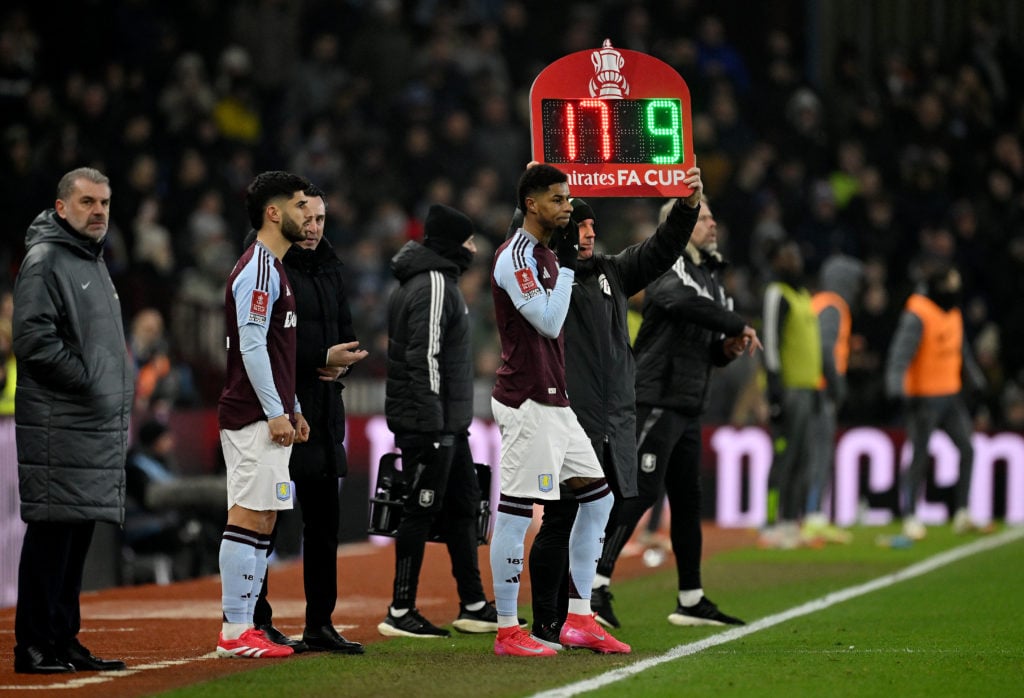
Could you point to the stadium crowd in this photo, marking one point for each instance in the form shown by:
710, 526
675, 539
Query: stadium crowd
898, 159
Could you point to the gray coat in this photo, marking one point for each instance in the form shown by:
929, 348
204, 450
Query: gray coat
75, 384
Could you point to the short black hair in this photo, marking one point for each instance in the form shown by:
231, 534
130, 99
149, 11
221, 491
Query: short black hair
314, 190
268, 186
536, 179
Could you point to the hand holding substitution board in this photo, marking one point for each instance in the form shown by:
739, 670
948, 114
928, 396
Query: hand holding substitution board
617, 122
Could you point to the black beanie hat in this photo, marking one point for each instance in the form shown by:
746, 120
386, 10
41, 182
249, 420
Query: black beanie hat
581, 211
445, 228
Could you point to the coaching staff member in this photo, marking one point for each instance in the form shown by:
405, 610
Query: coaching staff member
74, 398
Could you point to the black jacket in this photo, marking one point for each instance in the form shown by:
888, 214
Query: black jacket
599, 365
316, 277
685, 321
430, 356
75, 383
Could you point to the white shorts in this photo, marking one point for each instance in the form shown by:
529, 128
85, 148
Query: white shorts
541, 446
257, 469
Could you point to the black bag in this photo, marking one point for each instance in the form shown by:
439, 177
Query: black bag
393, 489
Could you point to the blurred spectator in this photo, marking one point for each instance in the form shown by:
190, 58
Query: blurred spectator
168, 514
8, 369
160, 384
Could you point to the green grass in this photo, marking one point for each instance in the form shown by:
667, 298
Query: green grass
954, 631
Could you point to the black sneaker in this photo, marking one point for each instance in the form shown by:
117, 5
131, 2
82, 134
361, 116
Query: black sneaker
412, 624
601, 604
484, 620
547, 635
279, 638
704, 613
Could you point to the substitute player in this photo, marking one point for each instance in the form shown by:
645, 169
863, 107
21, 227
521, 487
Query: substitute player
259, 413
542, 443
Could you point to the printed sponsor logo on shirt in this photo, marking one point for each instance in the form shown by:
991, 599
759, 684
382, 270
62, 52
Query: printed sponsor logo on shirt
290, 319
259, 307
284, 491
527, 284
545, 482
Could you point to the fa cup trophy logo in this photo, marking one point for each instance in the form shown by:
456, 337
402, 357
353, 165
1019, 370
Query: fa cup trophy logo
608, 83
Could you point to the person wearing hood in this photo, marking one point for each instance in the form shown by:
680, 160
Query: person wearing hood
792, 363
429, 407
924, 369
688, 328
326, 349
75, 391
840, 282
600, 377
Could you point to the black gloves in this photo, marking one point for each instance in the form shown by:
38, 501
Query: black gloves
566, 243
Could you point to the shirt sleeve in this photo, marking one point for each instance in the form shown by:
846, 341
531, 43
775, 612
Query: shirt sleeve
516, 274
255, 291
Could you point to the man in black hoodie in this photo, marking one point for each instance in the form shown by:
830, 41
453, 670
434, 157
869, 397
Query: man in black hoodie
325, 350
75, 390
429, 408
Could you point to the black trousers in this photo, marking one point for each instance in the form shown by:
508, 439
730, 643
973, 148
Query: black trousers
318, 504
445, 491
549, 554
668, 454
53, 554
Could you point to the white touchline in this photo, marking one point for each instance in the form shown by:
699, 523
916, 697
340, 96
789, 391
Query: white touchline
915, 570
104, 677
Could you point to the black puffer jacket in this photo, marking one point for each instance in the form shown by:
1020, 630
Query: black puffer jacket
75, 383
599, 366
685, 322
430, 359
325, 319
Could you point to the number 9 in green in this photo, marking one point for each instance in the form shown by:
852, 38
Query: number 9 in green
673, 130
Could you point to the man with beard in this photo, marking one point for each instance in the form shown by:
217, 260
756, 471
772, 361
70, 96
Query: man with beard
688, 328
259, 413
326, 348
429, 408
74, 399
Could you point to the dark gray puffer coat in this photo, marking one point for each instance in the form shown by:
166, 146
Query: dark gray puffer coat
75, 383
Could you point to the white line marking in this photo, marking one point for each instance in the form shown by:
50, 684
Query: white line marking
915, 570
108, 675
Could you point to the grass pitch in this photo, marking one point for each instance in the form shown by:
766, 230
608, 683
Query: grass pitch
952, 631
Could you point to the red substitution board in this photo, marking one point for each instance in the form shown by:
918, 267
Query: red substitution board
616, 121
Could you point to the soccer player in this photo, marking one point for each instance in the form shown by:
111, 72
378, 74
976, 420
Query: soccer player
259, 413
542, 442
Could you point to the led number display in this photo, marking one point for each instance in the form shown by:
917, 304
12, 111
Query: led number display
622, 130
617, 122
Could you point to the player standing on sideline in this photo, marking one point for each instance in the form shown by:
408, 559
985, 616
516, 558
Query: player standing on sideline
542, 442
259, 413
325, 349
429, 408
600, 379
927, 361
840, 282
689, 327
792, 362
74, 400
